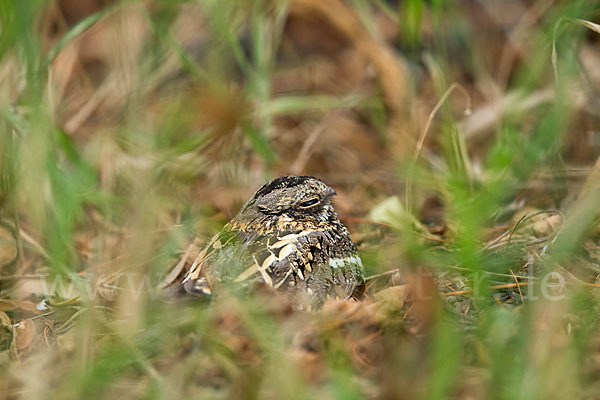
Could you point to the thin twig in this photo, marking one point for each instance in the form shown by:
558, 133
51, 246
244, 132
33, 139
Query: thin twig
421, 141
512, 230
491, 272
519, 284
17, 277
390, 272
516, 281
307, 148
505, 286
35, 244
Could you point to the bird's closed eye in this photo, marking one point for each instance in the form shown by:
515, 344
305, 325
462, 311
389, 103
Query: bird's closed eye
309, 203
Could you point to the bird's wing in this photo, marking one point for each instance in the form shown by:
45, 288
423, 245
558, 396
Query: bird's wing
187, 276
311, 263
296, 261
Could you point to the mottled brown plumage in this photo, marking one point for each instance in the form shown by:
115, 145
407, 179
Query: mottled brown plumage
286, 235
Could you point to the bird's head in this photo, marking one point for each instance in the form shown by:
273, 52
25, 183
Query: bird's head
293, 197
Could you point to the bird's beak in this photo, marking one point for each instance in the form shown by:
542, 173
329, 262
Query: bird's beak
330, 192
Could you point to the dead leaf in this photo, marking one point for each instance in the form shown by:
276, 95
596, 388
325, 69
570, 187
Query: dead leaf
4, 320
7, 305
547, 226
5, 334
392, 297
8, 246
24, 334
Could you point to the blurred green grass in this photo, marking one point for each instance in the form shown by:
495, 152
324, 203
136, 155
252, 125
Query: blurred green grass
190, 117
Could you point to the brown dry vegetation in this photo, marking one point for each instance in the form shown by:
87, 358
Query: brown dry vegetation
464, 159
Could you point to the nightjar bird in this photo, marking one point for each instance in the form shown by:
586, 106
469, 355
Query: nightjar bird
288, 236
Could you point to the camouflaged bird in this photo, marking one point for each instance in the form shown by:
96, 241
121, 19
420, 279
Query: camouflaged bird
286, 235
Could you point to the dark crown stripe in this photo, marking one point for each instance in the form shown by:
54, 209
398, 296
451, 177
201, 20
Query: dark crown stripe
280, 183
